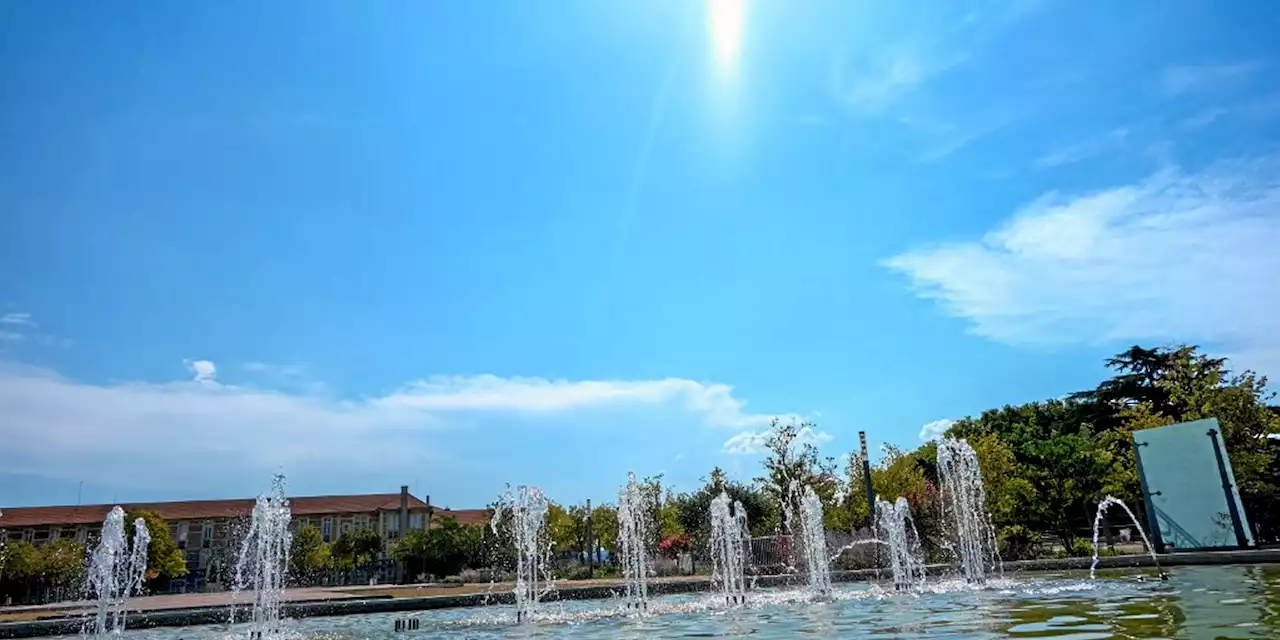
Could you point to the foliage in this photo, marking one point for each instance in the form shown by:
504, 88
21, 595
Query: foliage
164, 558
356, 548
21, 560
444, 550
791, 463
1017, 542
692, 510
674, 545
308, 553
57, 565
1080, 548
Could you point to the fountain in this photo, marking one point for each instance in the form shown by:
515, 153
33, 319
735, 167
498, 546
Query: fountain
898, 531
528, 515
728, 546
634, 510
813, 539
264, 559
1097, 524
964, 508
116, 571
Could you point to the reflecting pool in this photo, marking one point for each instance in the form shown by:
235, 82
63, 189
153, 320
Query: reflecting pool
1197, 602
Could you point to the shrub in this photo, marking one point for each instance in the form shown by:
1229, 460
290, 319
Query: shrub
673, 546
1081, 548
1017, 543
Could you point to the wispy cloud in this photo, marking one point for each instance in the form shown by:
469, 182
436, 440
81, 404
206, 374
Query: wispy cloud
1264, 108
282, 370
874, 83
935, 429
1083, 150
18, 319
21, 327
1177, 256
754, 442
54, 426
1178, 80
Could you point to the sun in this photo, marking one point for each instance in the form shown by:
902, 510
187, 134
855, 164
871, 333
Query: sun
724, 22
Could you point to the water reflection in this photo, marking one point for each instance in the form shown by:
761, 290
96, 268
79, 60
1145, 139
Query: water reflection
1199, 602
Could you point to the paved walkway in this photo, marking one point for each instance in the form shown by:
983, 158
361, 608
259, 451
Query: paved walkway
165, 602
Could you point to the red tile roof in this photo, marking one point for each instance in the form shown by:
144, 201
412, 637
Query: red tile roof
463, 516
202, 509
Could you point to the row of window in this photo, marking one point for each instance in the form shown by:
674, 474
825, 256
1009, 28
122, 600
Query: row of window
202, 535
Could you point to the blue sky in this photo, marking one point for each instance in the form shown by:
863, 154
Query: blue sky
459, 244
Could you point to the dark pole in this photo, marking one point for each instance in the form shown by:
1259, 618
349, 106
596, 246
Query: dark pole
1153, 523
1242, 540
591, 548
866, 481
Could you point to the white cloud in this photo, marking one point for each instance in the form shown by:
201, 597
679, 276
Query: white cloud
281, 370
11, 336
1178, 80
1178, 256
753, 442
18, 319
935, 429
202, 370
1082, 150
57, 427
491, 393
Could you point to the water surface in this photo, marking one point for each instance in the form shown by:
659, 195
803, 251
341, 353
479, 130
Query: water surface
1198, 602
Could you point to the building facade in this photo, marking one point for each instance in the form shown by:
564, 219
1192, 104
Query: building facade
208, 531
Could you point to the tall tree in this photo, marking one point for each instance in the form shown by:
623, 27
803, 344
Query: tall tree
792, 463
308, 552
164, 558
356, 548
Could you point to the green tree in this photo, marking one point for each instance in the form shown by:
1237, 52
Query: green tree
21, 560
793, 462
164, 558
62, 563
356, 548
308, 553
604, 526
567, 527
443, 551
692, 510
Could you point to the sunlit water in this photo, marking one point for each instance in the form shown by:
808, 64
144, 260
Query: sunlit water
1199, 602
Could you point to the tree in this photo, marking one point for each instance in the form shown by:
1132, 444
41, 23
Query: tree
567, 527
442, 551
604, 526
164, 558
793, 462
308, 553
356, 548
693, 510
62, 563
21, 560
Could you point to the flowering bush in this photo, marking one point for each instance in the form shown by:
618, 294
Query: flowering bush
672, 546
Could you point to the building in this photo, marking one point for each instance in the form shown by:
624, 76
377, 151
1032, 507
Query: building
205, 530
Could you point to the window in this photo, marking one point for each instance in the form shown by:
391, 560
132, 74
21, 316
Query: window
415, 521
181, 535
207, 540
326, 528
